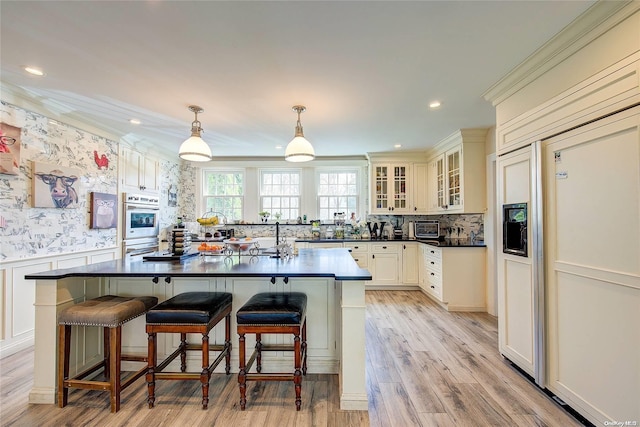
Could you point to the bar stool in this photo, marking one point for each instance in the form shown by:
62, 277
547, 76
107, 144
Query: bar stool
109, 312
189, 312
273, 313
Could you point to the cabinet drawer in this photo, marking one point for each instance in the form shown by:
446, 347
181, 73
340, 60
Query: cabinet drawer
361, 259
435, 290
431, 263
434, 277
433, 252
385, 248
357, 248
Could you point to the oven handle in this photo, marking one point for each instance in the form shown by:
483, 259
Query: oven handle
143, 251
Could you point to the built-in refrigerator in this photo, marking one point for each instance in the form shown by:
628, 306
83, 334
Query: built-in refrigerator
569, 305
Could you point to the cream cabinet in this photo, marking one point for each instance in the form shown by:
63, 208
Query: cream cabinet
391, 188
456, 173
455, 277
420, 188
385, 264
410, 255
359, 252
139, 172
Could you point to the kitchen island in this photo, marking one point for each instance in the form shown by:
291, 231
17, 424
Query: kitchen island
331, 279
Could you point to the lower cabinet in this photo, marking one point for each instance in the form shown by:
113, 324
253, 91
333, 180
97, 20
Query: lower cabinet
359, 252
385, 264
410, 270
455, 277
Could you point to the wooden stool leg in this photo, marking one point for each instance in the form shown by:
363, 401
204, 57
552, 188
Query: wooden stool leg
304, 347
115, 352
107, 353
227, 343
297, 374
152, 362
259, 355
183, 352
64, 348
205, 375
242, 373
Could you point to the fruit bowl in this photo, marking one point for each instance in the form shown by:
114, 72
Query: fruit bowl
240, 244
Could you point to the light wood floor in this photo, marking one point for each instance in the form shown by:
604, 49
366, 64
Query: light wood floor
425, 367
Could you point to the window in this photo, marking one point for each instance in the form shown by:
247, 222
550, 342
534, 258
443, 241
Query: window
223, 192
280, 193
337, 192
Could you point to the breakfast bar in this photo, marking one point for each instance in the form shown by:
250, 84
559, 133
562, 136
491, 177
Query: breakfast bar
330, 278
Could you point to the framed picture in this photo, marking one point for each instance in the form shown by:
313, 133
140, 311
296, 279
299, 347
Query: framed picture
54, 186
104, 210
9, 149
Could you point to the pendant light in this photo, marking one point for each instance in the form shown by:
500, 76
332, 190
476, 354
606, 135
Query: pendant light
299, 149
195, 149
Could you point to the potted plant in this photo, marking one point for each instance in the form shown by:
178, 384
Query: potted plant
264, 216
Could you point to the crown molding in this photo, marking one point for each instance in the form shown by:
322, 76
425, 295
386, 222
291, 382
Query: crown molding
594, 22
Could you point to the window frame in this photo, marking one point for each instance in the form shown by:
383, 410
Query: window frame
292, 212
358, 199
205, 197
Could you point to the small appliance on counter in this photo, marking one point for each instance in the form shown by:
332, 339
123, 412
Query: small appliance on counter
428, 229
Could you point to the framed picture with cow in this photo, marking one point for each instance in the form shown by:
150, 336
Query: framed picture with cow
104, 212
54, 186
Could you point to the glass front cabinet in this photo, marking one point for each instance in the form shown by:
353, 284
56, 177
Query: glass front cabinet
390, 188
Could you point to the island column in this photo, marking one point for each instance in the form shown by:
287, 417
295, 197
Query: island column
353, 390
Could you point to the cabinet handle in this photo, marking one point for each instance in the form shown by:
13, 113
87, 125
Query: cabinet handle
373, 256
355, 247
404, 246
384, 247
167, 279
286, 279
356, 259
273, 280
432, 274
432, 263
433, 252
155, 279
415, 208
433, 287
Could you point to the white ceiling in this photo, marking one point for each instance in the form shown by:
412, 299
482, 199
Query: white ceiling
365, 70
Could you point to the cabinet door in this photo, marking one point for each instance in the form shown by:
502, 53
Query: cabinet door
436, 182
385, 268
130, 168
420, 188
409, 263
150, 174
401, 176
380, 187
454, 178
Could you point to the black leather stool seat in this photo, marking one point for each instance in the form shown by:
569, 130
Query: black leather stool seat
271, 308
190, 308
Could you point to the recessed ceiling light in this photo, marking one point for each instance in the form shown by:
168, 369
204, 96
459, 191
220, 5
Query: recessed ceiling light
34, 70
397, 146
434, 104
278, 147
134, 121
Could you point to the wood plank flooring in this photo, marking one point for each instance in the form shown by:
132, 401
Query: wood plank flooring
425, 367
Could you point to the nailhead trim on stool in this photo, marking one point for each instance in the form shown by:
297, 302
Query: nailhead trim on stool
109, 312
273, 313
189, 312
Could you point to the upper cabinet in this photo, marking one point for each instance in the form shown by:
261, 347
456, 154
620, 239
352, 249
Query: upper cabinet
391, 183
139, 172
456, 173
420, 188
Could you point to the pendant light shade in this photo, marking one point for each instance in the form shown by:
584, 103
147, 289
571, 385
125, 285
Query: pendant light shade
299, 149
195, 149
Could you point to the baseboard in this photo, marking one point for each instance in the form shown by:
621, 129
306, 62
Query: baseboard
16, 345
354, 402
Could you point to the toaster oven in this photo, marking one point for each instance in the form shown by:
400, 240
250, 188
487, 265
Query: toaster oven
426, 229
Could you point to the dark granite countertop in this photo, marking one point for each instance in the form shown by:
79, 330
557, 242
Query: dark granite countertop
445, 243
336, 263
